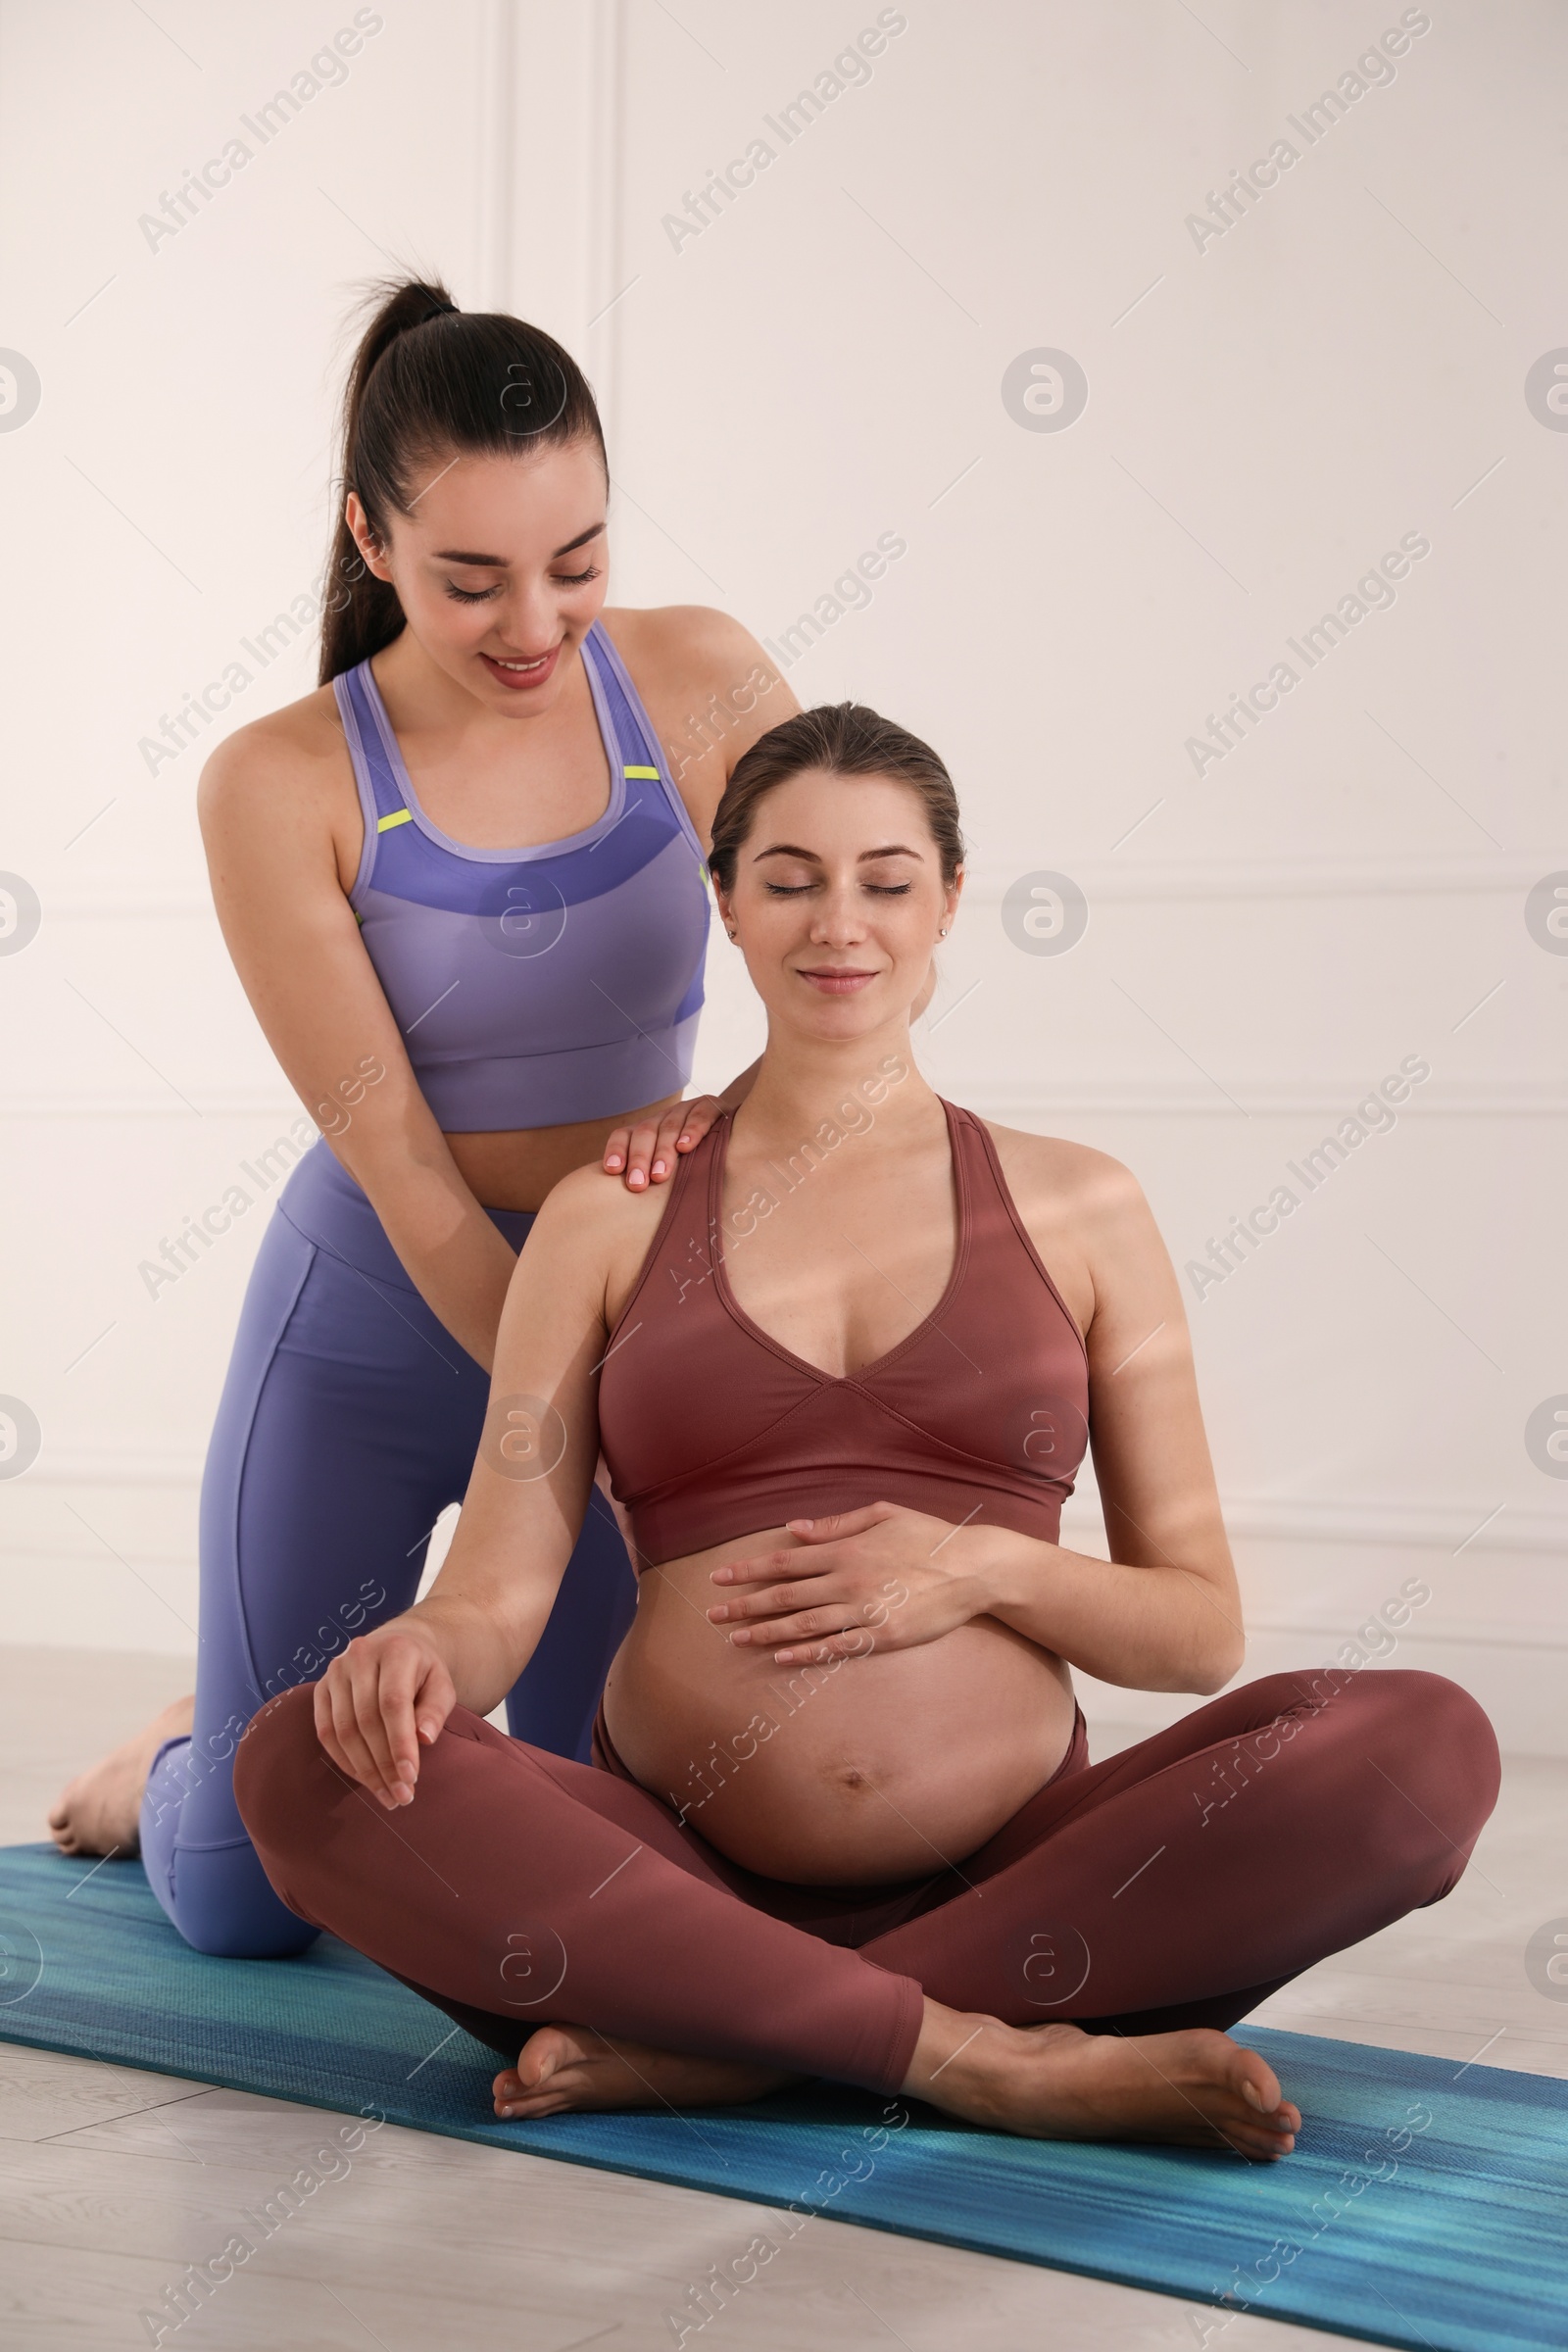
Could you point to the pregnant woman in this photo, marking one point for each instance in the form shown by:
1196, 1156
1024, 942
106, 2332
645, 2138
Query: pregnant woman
465, 894
840, 1819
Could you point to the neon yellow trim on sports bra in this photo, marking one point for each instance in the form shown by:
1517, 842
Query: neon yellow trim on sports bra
398, 816
652, 774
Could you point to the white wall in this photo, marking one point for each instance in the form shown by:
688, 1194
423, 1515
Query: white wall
820, 364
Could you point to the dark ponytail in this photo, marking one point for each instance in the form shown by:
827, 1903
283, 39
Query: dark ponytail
428, 377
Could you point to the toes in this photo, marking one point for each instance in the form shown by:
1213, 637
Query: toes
550, 2061
522, 2081
1266, 2138
1256, 2081
570, 2088
531, 2111
1255, 2147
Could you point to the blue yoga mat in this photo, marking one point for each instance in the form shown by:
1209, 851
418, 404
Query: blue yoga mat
1425, 2206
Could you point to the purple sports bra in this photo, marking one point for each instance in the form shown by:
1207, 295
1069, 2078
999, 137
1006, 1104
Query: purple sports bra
539, 986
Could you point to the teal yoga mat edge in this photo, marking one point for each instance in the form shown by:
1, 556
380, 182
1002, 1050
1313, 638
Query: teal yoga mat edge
1500, 2138
670, 2176
1274, 2043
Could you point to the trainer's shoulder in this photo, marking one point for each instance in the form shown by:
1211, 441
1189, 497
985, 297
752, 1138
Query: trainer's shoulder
683, 634
295, 756
692, 648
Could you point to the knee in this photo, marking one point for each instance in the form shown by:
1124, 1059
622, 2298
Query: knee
1435, 1744
277, 1771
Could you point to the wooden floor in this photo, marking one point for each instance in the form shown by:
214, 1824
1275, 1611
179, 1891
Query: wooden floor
111, 2182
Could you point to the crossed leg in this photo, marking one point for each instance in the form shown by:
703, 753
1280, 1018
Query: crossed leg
1070, 1977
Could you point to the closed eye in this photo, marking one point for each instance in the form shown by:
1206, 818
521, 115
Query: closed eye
483, 595
877, 890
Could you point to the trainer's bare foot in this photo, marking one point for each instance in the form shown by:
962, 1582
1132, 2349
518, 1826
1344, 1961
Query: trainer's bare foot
1198, 2089
99, 1811
572, 2067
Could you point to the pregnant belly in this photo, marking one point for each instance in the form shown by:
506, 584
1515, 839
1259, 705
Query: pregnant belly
872, 1770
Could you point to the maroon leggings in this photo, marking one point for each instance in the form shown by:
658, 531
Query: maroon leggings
1174, 1885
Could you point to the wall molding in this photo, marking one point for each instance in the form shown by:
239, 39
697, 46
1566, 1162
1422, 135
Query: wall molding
1458, 1632
1287, 877
497, 129
102, 905
264, 1103
106, 1466
1176, 881
1448, 1527
605, 265
1133, 1096
1128, 1094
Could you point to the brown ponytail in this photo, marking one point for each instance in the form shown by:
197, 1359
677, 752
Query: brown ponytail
430, 377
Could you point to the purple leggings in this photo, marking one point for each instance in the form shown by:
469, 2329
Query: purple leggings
349, 1420
1177, 1884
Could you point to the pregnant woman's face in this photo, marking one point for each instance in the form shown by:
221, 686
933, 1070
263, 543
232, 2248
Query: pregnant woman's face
838, 903
500, 566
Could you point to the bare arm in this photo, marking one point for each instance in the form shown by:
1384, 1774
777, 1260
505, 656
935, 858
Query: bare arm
1165, 1612
470, 1637
266, 805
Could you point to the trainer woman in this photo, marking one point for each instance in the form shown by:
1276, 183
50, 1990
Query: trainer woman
464, 891
841, 1819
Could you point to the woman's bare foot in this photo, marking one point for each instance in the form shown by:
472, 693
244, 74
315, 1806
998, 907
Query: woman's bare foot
98, 1812
562, 2066
1198, 2089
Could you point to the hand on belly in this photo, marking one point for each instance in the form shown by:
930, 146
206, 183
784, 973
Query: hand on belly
859, 1770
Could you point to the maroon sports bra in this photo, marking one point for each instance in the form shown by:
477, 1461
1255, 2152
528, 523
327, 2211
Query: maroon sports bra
713, 1430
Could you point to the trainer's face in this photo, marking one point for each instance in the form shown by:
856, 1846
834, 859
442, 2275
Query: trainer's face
500, 567
838, 903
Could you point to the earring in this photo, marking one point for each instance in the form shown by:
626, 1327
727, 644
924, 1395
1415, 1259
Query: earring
943, 932
731, 930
